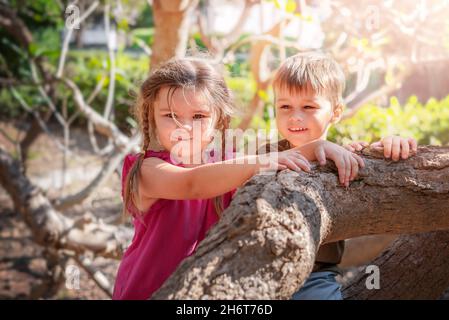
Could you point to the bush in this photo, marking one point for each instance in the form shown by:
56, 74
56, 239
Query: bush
428, 123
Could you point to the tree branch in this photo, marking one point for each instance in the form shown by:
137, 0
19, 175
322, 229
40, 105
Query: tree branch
264, 246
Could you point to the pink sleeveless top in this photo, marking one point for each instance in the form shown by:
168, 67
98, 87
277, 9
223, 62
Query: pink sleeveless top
169, 232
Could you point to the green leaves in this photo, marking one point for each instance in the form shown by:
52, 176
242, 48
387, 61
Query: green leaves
428, 123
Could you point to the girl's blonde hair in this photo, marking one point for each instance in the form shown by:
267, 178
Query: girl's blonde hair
185, 73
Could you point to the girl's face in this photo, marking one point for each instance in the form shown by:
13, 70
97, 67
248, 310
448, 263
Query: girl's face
184, 123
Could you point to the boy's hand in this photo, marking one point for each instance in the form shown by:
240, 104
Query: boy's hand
346, 161
396, 147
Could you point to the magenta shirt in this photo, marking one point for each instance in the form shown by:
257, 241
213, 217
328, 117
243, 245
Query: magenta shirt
169, 232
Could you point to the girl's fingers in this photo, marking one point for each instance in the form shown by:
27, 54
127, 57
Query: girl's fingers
281, 167
302, 164
378, 146
358, 145
364, 143
413, 144
348, 169
349, 147
396, 148
405, 149
354, 167
387, 143
300, 156
291, 165
359, 160
320, 155
340, 163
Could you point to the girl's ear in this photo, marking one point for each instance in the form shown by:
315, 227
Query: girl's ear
337, 113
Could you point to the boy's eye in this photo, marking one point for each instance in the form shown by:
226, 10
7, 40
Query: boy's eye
285, 106
309, 107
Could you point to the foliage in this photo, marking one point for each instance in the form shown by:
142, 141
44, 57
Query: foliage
428, 123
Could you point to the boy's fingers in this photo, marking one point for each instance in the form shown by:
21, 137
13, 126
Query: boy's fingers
320, 156
405, 149
396, 148
387, 143
413, 144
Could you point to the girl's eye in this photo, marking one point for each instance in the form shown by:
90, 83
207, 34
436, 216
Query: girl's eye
309, 107
170, 115
199, 116
285, 106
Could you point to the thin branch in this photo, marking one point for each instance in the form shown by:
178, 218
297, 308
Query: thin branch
96, 275
108, 168
101, 124
109, 107
65, 45
36, 115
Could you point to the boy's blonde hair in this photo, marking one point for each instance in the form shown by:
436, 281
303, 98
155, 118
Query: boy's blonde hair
313, 70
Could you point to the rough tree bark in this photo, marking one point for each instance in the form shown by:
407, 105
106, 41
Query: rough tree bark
412, 267
265, 245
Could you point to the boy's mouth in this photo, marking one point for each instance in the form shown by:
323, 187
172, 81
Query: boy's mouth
297, 129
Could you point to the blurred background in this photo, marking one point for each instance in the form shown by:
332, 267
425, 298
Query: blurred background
69, 71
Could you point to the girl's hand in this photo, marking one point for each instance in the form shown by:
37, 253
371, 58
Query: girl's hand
396, 147
356, 146
290, 159
347, 162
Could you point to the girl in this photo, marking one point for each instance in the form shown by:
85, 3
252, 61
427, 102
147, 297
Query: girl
173, 199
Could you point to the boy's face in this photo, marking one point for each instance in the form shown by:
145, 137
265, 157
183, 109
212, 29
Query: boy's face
302, 117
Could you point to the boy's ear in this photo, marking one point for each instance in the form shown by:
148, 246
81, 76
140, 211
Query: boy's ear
337, 113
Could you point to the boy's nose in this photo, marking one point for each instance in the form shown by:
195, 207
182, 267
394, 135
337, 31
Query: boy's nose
296, 117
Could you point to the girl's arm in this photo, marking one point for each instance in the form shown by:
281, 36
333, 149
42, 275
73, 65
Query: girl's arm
160, 179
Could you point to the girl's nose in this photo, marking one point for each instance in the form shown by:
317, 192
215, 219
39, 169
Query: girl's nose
187, 126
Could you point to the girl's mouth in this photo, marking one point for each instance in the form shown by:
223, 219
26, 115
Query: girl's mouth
181, 139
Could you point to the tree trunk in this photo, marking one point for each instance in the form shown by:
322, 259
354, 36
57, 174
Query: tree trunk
413, 267
171, 19
264, 246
